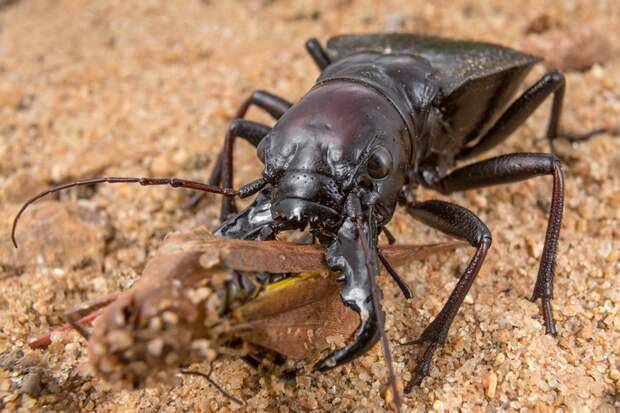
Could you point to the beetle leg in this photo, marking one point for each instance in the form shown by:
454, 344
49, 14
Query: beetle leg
222, 171
513, 168
210, 380
552, 82
573, 138
317, 53
400, 281
461, 223
391, 239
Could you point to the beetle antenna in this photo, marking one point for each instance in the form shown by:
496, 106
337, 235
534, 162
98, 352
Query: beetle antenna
375, 302
247, 190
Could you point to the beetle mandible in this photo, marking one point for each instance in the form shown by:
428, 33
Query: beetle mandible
388, 113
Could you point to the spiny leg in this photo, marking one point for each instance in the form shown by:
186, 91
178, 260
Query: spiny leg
513, 168
553, 82
461, 223
222, 173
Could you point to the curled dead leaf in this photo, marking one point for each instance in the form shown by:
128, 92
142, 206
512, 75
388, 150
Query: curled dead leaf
187, 308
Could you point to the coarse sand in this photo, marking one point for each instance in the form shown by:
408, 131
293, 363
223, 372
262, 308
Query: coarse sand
147, 88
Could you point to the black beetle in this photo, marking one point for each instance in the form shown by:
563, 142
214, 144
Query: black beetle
389, 112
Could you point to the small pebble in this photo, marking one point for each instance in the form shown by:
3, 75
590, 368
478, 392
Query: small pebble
491, 385
31, 383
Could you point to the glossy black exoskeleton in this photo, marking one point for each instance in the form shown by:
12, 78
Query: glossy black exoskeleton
391, 112
388, 113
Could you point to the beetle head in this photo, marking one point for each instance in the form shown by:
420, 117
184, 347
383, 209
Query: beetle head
340, 137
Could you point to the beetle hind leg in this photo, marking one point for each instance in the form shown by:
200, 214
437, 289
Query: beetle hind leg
552, 83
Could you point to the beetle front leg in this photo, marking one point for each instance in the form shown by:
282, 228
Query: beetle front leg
461, 223
272, 104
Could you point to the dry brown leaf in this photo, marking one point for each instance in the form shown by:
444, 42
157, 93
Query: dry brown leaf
180, 312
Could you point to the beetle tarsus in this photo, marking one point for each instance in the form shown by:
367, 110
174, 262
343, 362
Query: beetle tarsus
586, 136
548, 317
574, 138
423, 367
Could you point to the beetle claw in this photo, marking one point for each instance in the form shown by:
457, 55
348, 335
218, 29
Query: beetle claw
346, 255
365, 337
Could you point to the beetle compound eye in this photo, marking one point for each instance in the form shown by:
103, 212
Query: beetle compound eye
380, 163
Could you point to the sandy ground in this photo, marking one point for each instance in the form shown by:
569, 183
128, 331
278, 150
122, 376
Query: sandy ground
147, 88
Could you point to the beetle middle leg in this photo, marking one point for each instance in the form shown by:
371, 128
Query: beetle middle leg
461, 223
513, 168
